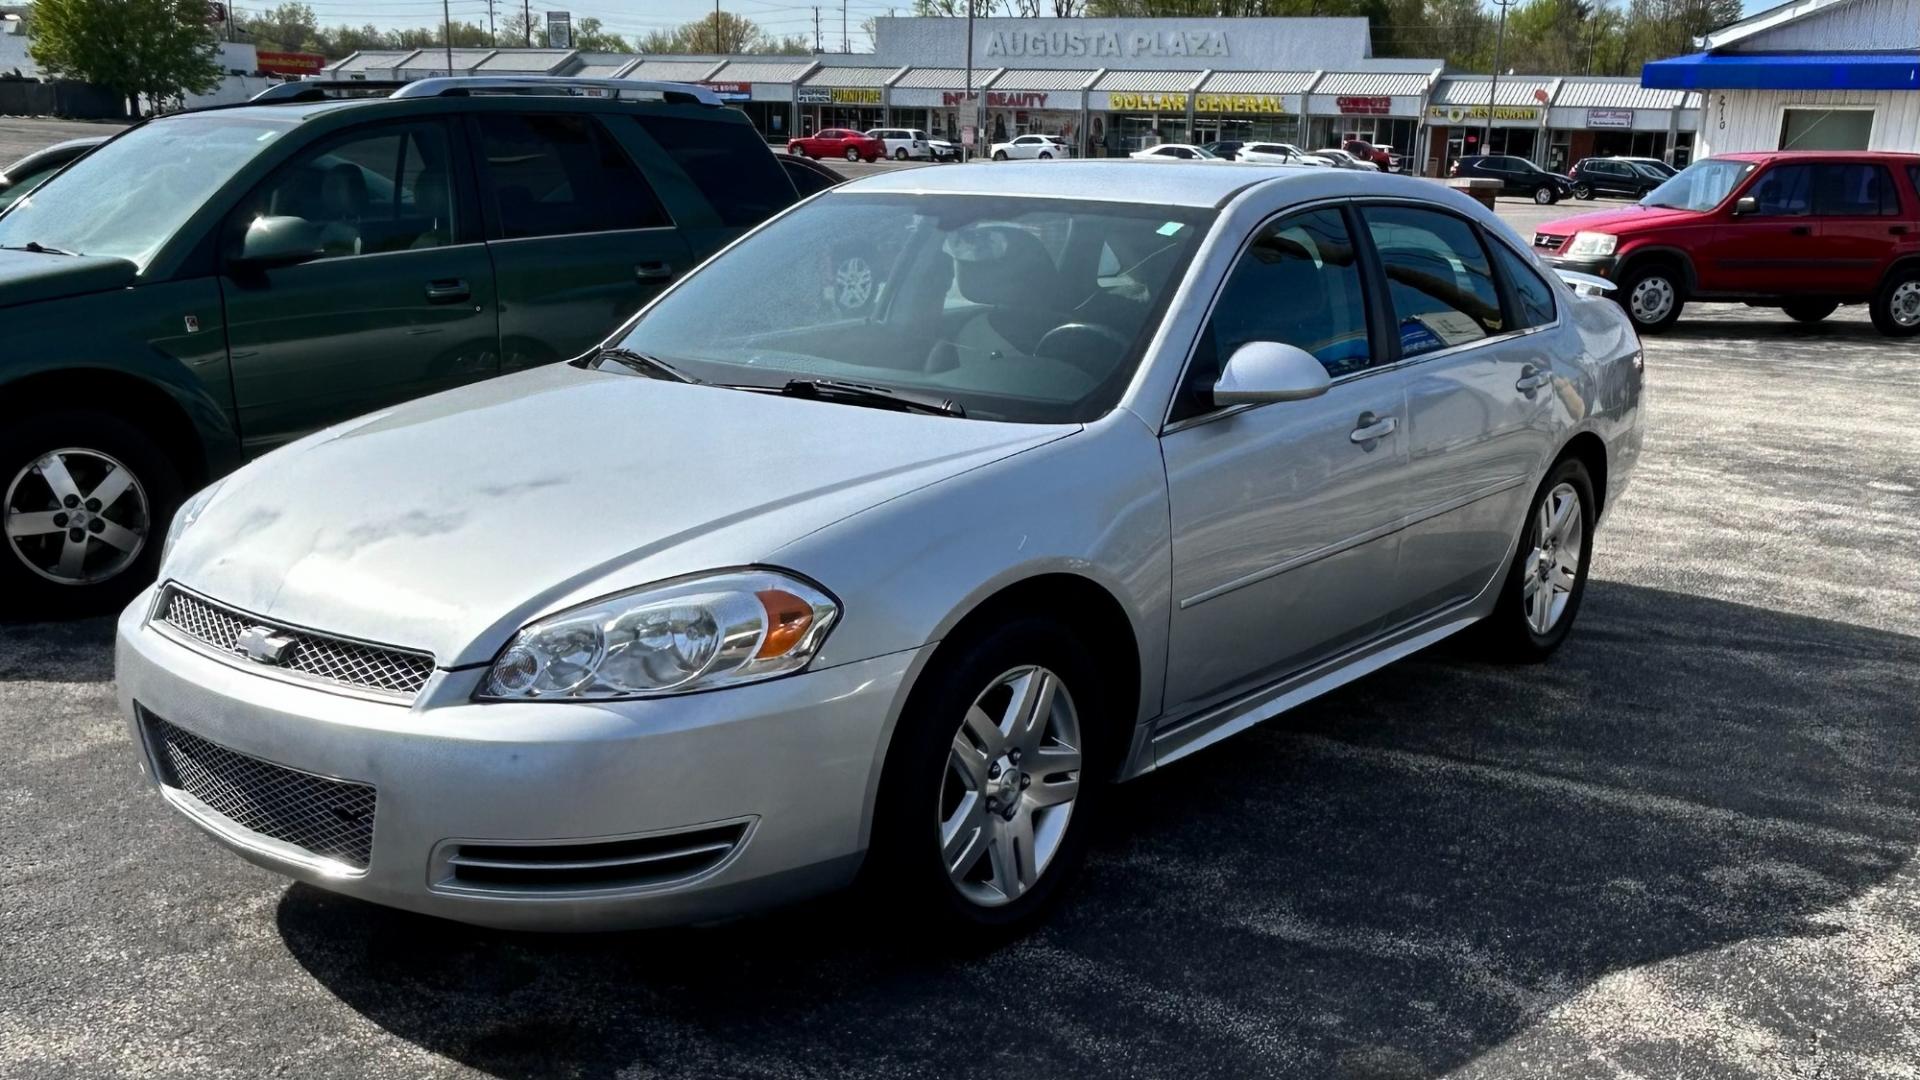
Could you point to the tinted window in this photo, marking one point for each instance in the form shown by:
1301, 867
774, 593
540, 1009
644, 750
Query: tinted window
553, 175
1438, 277
1913, 176
1532, 296
1853, 191
1783, 191
729, 163
386, 190
1298, 284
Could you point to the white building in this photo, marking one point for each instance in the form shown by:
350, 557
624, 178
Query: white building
1807, 75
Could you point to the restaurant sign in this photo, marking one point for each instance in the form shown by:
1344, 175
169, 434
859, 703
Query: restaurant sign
1460, 114
1267, 104
1619, 119
289, 63
1364, 106
812, 95
731, 91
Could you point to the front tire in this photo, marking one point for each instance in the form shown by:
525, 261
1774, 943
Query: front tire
992, 781
1652, 296
1583, 192
1809, 311
1548, 577
999, 155
1545, 195
85, 500
1896, 307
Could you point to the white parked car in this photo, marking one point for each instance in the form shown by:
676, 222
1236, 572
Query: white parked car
1177, 152
1280, 154
1340, 159
904, 143
1042, 147
944, 150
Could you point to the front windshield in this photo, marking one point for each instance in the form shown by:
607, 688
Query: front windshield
1702, 185
1030, 310
129, 196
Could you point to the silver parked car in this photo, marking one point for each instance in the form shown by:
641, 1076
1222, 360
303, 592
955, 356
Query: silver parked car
810, 571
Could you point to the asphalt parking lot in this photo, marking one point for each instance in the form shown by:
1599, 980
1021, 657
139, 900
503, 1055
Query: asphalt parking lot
1685, 848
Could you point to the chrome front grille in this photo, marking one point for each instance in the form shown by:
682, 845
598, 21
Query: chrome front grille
379, 668
1548, 241
636, 863
332, 819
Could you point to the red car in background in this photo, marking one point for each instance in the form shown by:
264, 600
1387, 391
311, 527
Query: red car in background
838, 143
1366, 151
1803, 230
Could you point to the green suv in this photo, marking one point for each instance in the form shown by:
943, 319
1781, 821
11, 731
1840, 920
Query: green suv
210, 285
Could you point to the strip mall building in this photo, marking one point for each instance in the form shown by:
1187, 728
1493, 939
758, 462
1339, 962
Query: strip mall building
1111, 86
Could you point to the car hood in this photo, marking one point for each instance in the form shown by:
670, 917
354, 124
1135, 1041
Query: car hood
1625, 219
448, 523
28, 277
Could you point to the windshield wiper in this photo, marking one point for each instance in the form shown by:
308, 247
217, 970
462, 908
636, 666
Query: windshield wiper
645, 363
859, 394
38, 248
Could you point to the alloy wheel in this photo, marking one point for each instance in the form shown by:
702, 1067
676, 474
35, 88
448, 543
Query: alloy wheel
1553, 566
1651, 299
1543, 196
1012, 778
76, 516
1904, 304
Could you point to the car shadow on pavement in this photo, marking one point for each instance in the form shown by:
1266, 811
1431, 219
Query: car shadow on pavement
1386, 883
1727, 323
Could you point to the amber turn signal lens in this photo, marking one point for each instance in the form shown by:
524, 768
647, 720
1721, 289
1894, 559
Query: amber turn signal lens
788, 620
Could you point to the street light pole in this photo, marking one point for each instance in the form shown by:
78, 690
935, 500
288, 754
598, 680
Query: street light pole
1493, 87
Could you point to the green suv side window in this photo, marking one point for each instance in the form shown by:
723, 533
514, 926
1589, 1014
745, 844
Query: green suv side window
372, 192
560, 174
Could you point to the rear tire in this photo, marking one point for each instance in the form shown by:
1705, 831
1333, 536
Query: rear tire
1896, 307
114, 487
853, 154
1044, 156
900, 154
1652, 296
943, 768
1809, 311
1548, 578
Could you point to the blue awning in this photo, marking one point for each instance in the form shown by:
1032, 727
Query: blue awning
1785, 71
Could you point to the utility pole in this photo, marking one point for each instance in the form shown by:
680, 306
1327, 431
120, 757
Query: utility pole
446, 17
526, 12
973, 111
1493, 87
492, 39
717, 50
816, 28
846, 45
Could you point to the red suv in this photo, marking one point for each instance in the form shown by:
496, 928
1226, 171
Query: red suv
1805, 231
840, 143
1366, 151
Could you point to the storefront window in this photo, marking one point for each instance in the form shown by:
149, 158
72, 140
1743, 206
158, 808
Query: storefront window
1333, 131
1244, 128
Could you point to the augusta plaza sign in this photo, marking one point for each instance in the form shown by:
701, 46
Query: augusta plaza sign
1109, 44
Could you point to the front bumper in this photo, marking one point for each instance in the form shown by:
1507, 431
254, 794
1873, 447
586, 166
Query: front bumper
1597, 265
793, 763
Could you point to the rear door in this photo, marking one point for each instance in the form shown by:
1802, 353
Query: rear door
397, 300
578, 236
716, 178
1860, 223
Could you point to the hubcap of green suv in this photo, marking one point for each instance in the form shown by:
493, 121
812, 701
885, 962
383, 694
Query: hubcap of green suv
76, 516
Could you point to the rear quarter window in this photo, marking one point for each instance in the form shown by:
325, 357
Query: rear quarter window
728, 162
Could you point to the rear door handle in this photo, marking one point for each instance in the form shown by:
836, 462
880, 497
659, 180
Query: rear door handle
1373, 427
1531, 379
651, 272
1897, 230
447, 292
1801, 230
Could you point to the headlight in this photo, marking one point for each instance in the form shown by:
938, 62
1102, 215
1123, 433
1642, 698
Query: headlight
184, 517
1592, 243
694, 634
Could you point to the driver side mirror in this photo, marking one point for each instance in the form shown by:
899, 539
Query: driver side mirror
1746, 204
273, 241
1263, 371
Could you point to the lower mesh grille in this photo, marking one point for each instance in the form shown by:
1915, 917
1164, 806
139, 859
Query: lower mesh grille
637, 863
330, 818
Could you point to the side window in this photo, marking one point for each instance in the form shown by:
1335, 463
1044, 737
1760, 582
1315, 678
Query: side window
1533, 297
1297, 283
378, 191
1853, 191
560, 174
1438, 277
729, 163
1913, 177
1784, 191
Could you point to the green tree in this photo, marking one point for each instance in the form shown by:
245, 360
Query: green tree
157, 49
286, 28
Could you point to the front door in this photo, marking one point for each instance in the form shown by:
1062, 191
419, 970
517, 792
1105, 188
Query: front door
1283, 543
579, 239
396, 299
1754, 252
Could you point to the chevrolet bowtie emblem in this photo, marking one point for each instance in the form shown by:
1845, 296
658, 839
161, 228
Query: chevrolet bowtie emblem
263, 645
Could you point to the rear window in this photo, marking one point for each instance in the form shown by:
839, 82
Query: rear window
728, 163
561, 174
1853, 190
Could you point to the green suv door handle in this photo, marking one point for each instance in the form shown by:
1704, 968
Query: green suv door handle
450, 291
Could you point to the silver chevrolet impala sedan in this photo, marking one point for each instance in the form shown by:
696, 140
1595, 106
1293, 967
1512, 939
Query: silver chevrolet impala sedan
881, 546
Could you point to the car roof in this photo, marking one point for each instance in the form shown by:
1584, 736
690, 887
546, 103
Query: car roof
1169, 182
1760, 156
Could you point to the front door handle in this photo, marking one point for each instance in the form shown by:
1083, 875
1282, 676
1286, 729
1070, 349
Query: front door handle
1531, 379
1801, 230
1373, 427
649, 273
448, 292
1897, 230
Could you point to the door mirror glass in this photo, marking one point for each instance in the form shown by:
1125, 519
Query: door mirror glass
1746, 204
1262, 371
279, 240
